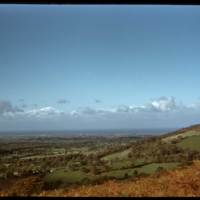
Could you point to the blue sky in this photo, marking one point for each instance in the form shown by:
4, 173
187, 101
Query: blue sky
78, 61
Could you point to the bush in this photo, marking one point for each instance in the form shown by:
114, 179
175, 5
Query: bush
142, 174
126, 175
135, 173
52, 185
84, 169
86, 181
160, 169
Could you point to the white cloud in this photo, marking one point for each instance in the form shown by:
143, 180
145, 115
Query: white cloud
74, 113
43, 112
155, 112
88, 111
163, 104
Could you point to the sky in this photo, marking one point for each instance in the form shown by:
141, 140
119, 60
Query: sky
99, 66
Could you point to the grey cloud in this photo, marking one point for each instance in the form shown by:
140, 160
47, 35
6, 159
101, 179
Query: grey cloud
24, 105
98, 101
89, 111
139, 109
123, 108
17, 109
35, 105
6, 106
63, 101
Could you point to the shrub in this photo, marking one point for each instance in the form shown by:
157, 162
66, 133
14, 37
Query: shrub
160, 169
135, 173
126, 175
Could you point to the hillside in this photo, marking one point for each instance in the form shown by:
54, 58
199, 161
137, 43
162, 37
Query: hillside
179, 182
184, 132
151, 166
184, 181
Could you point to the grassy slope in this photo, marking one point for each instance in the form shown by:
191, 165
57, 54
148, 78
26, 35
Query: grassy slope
192, 143
120, 155
189, 137
148, 169
68, 176
184, 132
182, 135
120, 164
65, 176
180, 182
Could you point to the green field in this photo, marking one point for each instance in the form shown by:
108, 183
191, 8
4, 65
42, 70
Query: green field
117, 155
192, 143
66, 176
148, 169
120, 164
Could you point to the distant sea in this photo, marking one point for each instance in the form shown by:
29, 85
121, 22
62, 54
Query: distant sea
101, 132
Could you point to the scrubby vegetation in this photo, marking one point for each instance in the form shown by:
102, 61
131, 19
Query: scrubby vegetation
179, 182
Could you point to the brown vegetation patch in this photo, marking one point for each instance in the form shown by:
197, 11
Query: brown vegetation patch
24, 187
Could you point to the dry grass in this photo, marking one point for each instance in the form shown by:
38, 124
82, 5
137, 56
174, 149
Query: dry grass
23, 187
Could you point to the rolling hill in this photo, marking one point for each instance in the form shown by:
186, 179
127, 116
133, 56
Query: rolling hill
167, 165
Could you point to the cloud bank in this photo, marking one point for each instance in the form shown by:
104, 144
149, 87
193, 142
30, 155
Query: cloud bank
160, 112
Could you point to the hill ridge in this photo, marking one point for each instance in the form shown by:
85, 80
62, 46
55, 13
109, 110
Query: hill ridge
195, 127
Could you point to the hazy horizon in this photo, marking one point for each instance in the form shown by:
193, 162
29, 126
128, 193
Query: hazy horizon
99, 67
88, 132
